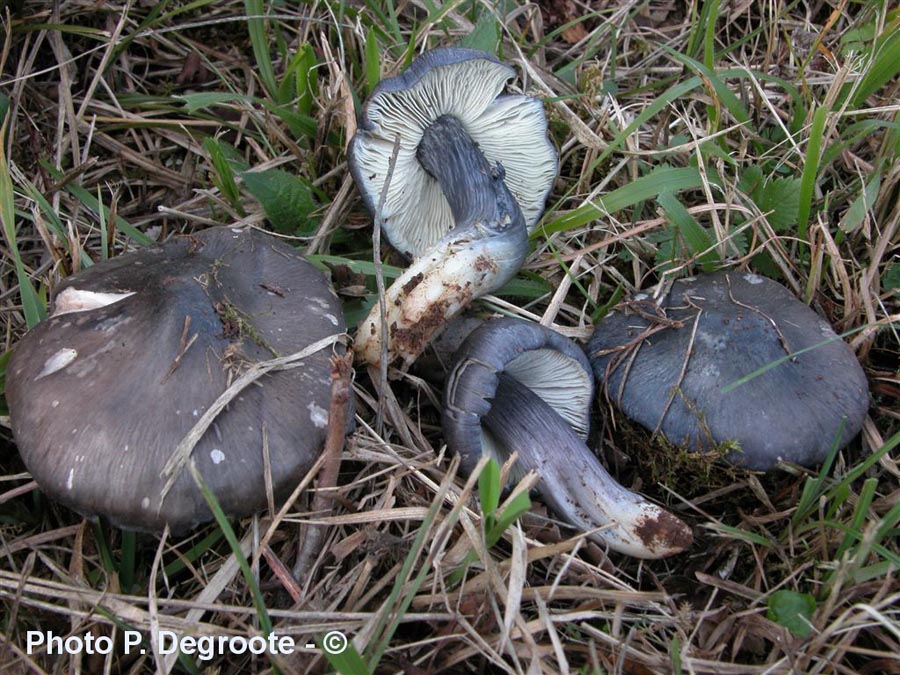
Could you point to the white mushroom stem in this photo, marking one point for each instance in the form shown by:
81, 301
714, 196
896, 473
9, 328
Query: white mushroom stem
573, 482
482, 252
464, 265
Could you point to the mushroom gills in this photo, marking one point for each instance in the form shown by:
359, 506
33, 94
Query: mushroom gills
573, 482
482, 252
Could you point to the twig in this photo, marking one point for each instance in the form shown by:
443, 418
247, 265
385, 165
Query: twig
311, 544
380, 220
684, 366
183, 451
183, 346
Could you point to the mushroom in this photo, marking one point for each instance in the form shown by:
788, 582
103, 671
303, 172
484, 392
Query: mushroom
472, 172
520, 387
137, 350
678, 367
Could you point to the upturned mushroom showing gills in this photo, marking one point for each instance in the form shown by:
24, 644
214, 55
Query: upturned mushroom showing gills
473, 169
520, 387
672, 365
139, 349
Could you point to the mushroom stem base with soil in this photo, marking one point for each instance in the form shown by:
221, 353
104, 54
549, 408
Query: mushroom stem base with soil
573, 482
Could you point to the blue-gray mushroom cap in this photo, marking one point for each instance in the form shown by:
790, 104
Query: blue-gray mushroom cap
667, 364
552, 367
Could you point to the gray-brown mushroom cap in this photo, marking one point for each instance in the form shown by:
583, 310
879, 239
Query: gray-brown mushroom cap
670, 374
137, 349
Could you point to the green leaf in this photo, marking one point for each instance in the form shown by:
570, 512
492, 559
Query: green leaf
484, 36
286, 199
856, 214
793, 611
780, 200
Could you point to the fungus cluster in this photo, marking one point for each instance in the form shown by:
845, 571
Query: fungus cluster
136, 351
472, 171
139, 351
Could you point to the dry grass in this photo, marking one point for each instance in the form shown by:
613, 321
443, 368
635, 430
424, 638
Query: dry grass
790, 166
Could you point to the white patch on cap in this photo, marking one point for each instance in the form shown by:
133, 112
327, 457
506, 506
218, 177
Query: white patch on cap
641, 296
58, 361
753, 279
217, 456
54, 404
74, 300
332, 318
318, 416
71, 479
145, 503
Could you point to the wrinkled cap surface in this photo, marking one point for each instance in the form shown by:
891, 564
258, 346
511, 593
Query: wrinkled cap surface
465, 84
548, 364
740, 322
137, 350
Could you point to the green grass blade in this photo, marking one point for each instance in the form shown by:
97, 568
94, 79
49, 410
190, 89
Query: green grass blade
810, 172
348, 662
256, 26
660, 181
663, 101
699, 243
127, 561
32, 307
193, 553
709, 36
373, 61
731, 102
516, 506
394, 607
265, 622
489, 487
885, 66
866, 495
